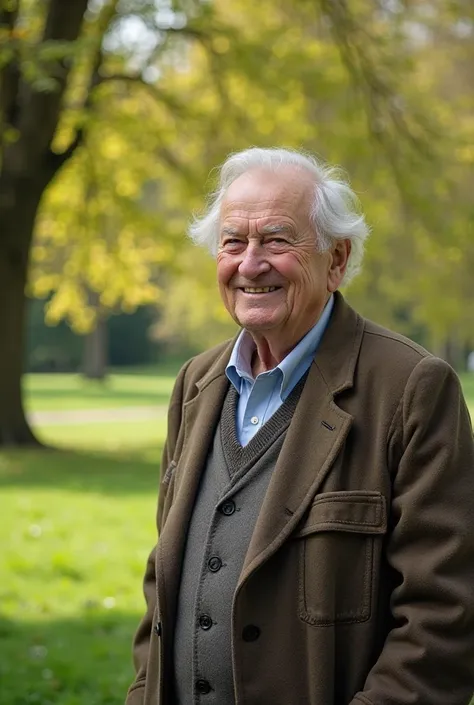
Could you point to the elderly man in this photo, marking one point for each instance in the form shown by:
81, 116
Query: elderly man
316, 509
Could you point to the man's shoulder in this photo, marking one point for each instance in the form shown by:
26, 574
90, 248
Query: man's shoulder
389, 365
379, 341
394, 357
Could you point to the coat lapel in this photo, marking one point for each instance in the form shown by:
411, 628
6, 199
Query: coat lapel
200, 417
314, 439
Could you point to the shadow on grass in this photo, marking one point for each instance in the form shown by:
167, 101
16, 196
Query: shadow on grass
79, 471
76, 661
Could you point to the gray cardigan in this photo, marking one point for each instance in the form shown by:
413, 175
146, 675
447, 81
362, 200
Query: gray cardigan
230, 495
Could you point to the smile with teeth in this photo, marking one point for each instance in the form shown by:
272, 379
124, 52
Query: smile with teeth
259, 289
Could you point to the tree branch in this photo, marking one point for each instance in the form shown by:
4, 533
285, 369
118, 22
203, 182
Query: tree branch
157, 93
55, 160
8, 15
64, 20
39, 112
380, 95
176, 165
10, 74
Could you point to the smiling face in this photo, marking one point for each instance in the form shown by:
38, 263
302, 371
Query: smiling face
272, 279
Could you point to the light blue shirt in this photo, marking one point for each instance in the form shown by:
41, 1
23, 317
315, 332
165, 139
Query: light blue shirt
260, 397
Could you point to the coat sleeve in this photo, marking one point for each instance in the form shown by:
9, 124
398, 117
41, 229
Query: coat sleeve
141, 641
428, 656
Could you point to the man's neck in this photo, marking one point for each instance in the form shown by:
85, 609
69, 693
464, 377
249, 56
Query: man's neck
269, 353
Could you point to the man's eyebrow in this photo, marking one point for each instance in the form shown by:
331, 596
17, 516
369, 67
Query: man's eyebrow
229, 230
271, 229
275, 228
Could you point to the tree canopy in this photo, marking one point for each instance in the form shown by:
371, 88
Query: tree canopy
365, 87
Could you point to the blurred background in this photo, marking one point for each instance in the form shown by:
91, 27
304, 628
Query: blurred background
113, 115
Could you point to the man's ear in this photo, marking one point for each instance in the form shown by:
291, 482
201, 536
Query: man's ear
338, 265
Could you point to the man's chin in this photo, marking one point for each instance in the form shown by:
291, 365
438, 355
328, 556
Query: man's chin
256, 325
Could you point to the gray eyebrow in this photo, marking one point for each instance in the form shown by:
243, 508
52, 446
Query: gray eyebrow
227, 230
272, 229
276, 228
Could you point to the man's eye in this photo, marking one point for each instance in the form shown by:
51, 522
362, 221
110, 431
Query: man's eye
232, 242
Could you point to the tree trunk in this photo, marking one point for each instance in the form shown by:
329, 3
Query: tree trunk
96, 352
17, 219
27, 165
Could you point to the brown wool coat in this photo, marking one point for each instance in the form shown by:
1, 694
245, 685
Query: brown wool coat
360, 571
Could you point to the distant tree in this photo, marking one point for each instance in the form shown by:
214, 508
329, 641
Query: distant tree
49, 348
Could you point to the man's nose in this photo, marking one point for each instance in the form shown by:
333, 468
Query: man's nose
254, 261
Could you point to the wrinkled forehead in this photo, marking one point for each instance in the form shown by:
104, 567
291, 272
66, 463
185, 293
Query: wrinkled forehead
261, 191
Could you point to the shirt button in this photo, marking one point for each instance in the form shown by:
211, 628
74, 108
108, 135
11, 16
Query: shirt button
254, 420
228, 508
205, 622
250, 633
214, 564
203, 687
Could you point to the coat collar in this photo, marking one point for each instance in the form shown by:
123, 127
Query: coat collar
338, 352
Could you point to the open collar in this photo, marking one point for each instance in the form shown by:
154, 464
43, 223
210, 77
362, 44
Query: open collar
336, 356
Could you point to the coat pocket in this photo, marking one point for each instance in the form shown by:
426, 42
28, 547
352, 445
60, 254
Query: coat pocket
339, 556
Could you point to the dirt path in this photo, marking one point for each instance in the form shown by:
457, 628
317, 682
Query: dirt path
86, 416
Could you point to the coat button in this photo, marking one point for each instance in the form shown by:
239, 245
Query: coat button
250, 633
215, 564
205, 622
158, 628
203, 687
228, 508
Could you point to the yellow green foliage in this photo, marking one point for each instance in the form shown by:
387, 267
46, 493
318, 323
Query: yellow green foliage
387, 94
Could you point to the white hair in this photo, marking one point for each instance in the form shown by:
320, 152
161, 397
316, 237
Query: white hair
335, 212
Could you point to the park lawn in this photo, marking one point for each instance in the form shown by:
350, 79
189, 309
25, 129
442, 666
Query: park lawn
58, 392
76, 528
113, 437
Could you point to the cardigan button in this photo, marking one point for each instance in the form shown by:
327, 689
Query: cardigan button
250, 633
203, 687
228, 508
158, 628
205, 622
215, 564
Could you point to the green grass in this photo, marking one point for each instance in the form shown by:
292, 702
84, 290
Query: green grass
57, 392
111, 437
75, 533
76, 527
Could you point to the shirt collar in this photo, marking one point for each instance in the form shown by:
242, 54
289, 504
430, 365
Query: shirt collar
291, 368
